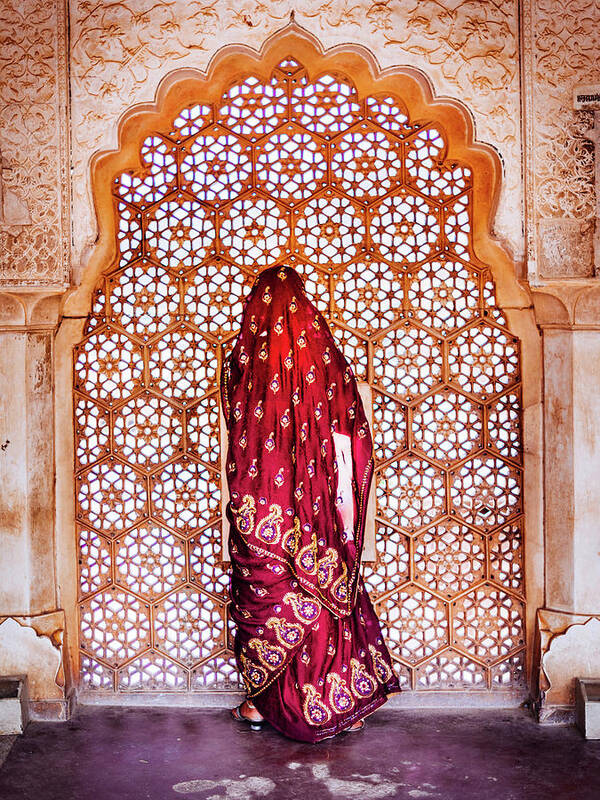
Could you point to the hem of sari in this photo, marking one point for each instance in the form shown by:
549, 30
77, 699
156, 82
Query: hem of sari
327, 733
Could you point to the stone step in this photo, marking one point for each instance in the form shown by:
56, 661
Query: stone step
13, 704
587, 707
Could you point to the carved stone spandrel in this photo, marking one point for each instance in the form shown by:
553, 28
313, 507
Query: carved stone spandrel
565, 248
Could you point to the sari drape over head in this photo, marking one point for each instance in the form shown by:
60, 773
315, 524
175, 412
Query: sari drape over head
308, 643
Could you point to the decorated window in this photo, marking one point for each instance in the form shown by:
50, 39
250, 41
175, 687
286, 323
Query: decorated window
362, 199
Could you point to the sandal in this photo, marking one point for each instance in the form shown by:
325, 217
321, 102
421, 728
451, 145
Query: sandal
353, 729
255, 724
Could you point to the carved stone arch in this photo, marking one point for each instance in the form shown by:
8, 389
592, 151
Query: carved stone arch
185, 88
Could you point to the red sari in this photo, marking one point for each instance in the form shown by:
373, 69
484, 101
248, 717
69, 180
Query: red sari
308, 643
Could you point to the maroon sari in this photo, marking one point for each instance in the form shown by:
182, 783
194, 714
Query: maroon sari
308, 643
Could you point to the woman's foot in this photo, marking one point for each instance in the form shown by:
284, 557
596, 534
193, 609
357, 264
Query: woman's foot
356, 726
247, 712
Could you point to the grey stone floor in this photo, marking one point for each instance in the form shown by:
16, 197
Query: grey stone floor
164, 754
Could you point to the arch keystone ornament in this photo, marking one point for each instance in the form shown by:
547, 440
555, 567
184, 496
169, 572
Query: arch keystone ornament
377, 193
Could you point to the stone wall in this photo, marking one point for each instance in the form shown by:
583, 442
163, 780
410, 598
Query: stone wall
513, 65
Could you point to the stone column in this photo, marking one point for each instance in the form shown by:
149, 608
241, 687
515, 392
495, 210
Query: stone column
31, 622
569, 622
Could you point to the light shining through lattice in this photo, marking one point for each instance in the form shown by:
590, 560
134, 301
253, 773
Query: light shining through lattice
366, 205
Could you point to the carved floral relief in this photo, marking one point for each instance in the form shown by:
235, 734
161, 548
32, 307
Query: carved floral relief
120, 51
33, 239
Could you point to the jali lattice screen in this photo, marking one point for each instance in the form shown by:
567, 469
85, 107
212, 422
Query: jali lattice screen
363, 202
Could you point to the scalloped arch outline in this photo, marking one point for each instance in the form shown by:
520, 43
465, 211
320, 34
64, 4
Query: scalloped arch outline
411, 86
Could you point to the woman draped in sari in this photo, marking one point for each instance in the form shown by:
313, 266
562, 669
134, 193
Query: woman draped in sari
299, 467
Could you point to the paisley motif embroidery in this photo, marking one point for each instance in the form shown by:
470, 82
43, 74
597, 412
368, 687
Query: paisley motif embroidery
243, 356
293, 306
318, 411
315, 324
383, 671
315, 710
263, 353
252, 673
291, 538
253, 326
253, 469
282, 274
258, 411
326, 356
326, 567
274, 385
279, 480
296, 396
288, 634
311, 375
307, 557
288, 361
243, 440
340, 697
340, 588
285, 419
271, 655
299, 491
268, 530
244, 515
237, 411
278, 327
306, 609
301, 340
267, 295
363, 684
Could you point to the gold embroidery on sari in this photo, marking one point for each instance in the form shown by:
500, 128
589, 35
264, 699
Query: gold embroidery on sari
362, 684
268, 529
307, 557
288, 633
383, 671
244, 515
271, 655
306, 609
340, 697
315, 710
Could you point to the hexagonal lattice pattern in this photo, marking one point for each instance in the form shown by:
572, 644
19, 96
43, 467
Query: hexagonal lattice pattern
449, 558
147, 431
214, 297
291, 165
327, 105
405, 228
365, 204
183, 365
407, 361
329, 230
180, 233
255, 232
366, 163
217, 166
207, 569
111, 496
484, 360
486, 491
444, 294
368, 295
447, 426
416, 623
391, 566
185, 495
389, 428
203, 431
108, 365
149, 560
155, 180
188, 626
488, 623
92, 431
143, 298
114, 626
411, 492
94, 561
